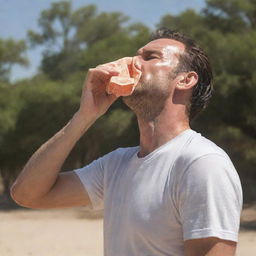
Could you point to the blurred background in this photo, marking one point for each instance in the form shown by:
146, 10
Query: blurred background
46, 47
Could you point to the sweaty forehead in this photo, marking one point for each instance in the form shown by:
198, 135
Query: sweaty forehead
164, 45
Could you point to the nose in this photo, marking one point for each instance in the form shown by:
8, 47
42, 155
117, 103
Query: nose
137, 62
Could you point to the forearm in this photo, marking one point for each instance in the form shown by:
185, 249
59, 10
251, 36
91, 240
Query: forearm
41, 171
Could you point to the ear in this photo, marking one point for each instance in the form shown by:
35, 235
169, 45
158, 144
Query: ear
185, 81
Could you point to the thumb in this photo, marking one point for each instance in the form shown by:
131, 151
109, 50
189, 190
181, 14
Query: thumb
112, 98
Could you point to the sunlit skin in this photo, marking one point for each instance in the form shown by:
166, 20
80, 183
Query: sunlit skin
158, 59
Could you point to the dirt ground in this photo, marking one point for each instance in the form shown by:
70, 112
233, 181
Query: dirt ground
69, 232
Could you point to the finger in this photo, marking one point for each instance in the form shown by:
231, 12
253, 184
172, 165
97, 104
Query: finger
109, 67
110, 64
99, 78
110, 71
104, 72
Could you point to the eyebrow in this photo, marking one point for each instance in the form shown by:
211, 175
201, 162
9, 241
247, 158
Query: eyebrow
148, 52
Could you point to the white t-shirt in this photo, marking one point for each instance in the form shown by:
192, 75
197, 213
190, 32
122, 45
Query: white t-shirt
188, 188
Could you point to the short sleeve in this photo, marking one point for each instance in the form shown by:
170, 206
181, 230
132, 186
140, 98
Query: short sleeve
92, 178
210, 199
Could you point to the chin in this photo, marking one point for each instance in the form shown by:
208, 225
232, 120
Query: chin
146, 105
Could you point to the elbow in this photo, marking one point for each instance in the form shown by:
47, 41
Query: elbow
15, 195
18, 197
13, 192
24, 199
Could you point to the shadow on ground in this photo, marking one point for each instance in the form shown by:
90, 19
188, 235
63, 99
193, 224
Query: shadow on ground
248, 225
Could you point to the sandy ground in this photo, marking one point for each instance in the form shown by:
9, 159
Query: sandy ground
68, 232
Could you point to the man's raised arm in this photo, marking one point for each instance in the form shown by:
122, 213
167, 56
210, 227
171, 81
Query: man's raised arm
40, 185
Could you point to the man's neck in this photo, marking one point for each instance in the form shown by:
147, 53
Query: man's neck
155, 133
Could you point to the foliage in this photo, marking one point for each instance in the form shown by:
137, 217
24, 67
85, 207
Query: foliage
31, 111
11, 52
67, 35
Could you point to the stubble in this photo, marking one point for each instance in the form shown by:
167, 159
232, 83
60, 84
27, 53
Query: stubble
148, 99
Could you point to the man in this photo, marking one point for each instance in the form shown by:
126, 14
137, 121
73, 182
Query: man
177, 193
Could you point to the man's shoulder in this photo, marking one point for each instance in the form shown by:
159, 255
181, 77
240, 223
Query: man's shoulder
199, 146
203, 158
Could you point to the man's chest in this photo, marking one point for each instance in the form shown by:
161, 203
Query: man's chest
140, 201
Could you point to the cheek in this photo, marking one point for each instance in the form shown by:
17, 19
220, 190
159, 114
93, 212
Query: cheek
147, 76
163, 64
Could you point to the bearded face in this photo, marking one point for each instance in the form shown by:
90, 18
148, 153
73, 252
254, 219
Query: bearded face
149, 97
158, 61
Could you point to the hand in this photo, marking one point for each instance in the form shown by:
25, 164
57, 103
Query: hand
95, 101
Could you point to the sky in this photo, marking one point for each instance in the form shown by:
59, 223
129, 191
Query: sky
18, 16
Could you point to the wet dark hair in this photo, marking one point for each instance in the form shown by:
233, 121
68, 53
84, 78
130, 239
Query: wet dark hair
193, 59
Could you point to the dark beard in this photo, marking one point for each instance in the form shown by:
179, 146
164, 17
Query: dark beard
147, 102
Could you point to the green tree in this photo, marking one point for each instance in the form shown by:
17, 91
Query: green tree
56, 34
123, 43
231, 15
55, 24
8, 112
65, 33
11, 53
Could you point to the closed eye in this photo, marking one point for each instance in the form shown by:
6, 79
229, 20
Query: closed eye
150, 57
